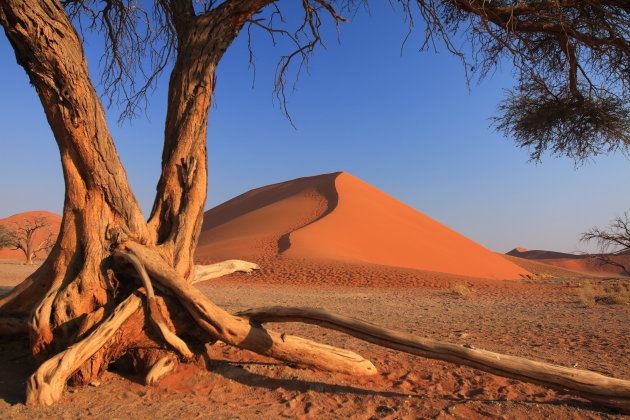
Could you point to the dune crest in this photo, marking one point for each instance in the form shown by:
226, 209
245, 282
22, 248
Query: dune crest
339, 217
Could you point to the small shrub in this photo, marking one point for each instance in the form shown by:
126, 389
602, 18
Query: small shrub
532, 278
616, 294
461, 290
587, 296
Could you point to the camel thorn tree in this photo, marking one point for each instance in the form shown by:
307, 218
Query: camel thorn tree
613, 242
115, 285
21, 235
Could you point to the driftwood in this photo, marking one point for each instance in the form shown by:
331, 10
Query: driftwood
161, 368
590, 385
223, 268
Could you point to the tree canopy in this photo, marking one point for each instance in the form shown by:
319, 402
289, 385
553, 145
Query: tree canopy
570, 58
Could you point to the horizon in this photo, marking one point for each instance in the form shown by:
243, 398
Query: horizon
406, 124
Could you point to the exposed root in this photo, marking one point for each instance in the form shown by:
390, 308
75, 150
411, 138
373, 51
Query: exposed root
223, 268
13, 326
162, 367
154, 311
590, 385
241, 332
47, 384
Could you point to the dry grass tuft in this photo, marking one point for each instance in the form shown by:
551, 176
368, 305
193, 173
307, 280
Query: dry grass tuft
613, 294
462, 291
587, 296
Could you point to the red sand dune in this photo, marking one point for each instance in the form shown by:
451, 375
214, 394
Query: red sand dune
339, 217
40, 235
539, 254
584, 263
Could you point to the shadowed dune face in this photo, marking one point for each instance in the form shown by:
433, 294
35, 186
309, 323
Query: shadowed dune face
38, 236
585, 263
257, 224
339, 217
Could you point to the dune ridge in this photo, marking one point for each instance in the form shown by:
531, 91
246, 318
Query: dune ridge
339, 217
583, 263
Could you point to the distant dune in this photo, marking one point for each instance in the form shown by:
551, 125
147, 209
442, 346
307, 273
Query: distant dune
53, 219
540, 267
339, 217
584, 263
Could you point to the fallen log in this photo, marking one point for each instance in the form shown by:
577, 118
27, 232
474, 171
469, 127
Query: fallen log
593, 386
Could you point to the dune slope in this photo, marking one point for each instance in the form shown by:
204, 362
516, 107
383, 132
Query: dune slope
339, 217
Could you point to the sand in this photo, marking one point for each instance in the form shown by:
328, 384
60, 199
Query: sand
339, 217
336, 243
545, 322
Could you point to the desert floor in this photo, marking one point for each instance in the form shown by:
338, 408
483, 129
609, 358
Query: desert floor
539, 321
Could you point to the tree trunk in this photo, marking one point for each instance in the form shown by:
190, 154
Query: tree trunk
29, 258
75, 286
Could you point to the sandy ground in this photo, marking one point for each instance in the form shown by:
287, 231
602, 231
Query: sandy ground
539, 321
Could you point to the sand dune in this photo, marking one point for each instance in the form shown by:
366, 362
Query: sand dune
39, 235
585, 263
339, 217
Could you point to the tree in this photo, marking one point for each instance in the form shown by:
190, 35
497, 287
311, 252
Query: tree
22, 237
613, 242
6, 237
89, 291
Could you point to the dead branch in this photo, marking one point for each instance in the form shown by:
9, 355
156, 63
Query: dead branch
223, 268
590, 385
161, 368
241, 332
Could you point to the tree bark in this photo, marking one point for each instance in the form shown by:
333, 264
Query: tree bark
70, 290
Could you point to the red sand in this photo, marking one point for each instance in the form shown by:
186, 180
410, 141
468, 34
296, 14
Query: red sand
339, 217
40, 235
583, 263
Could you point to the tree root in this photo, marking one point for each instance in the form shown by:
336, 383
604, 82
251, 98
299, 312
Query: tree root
241, 332
604, 390
162, 367
47, 384
223, 268
154, 312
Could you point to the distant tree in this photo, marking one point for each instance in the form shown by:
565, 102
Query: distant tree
83, 306
21, 235
613, 242
6, 237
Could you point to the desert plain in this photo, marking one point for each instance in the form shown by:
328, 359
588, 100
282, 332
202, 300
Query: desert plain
336, 243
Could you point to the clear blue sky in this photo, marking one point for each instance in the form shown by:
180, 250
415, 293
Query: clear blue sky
406, 124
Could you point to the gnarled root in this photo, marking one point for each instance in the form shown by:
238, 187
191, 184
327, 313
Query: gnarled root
223, 268
154, 312
162, 367
241, 332
47, 384
604, 390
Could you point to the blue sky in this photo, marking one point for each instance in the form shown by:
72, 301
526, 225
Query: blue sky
407, 124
